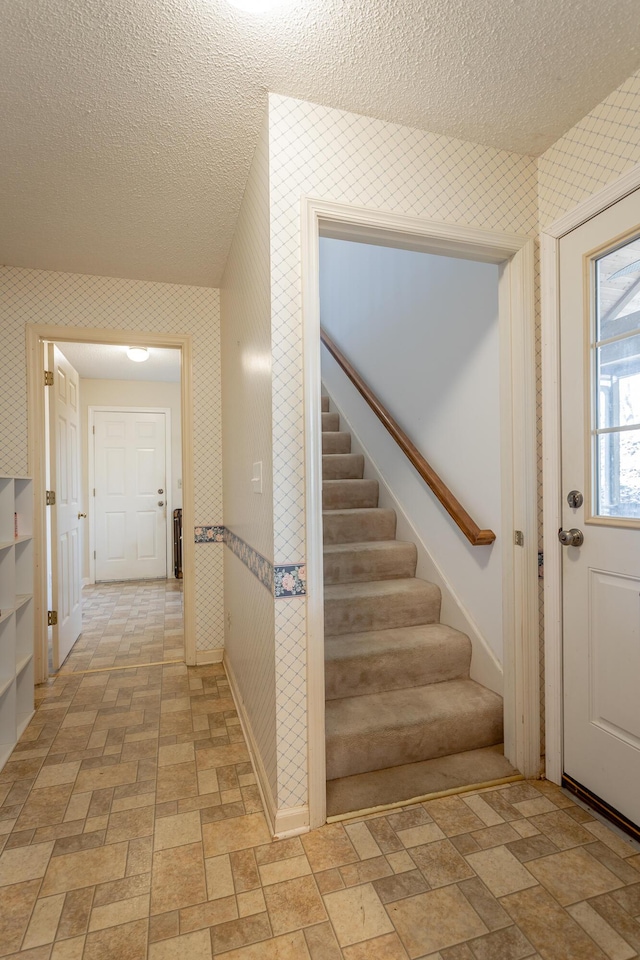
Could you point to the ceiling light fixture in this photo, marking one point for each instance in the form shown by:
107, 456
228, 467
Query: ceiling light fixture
138, 354
256, 6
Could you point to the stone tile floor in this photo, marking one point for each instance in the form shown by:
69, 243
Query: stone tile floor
131, 827
126, 623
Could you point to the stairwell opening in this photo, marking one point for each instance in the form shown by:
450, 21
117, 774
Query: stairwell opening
396, 559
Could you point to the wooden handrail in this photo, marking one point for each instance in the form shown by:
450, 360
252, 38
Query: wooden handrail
454, 508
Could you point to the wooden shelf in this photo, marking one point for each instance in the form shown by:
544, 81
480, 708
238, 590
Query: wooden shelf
16, 616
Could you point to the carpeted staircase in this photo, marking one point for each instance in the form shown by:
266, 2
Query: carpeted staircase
403, 719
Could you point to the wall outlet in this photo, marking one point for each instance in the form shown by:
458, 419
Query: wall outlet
256, 477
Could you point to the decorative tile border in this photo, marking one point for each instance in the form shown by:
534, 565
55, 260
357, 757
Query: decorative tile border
215, 534
290, 580
259, 566
284, 579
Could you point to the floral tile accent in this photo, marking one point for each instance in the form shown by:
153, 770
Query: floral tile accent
290, 580
259, 566
215, 534
285, 580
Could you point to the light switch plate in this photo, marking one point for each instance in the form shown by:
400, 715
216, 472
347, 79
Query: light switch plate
256, 478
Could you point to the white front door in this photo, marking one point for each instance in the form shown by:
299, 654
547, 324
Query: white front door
64, 446
130, 495
600, 369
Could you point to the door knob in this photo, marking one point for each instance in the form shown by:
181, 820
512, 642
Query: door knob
81, 516
161, 503
571, 538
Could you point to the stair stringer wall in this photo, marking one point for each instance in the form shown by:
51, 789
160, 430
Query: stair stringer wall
485, 668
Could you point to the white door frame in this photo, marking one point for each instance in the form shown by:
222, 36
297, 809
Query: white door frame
91, 448
519, 471
36, 336
551, 452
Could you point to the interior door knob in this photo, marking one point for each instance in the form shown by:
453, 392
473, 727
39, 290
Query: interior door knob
161, 503
81, 516
571, 538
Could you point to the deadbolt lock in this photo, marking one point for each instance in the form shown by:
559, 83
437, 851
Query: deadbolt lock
575, 499
160, 490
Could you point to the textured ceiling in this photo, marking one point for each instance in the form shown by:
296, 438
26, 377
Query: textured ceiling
128, 126
102, 361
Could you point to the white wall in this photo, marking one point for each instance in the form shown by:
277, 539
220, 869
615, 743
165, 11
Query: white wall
74, 300
137, 394
247, 438
423, 332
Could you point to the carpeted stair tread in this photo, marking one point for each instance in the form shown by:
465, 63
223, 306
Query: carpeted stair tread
358, 525
405, 726
357, 664
324, 404
379, 605
336, 441
330, 421
342, 466
349, 494
371, 560
408, 781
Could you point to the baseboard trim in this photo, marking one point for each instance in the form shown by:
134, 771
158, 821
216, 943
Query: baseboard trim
291, 821
264, 787
209, 656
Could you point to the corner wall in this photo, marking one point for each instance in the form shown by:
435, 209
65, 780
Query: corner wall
593, 153
332, 155
246, 439
76, 300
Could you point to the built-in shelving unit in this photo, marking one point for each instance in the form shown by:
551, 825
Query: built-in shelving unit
16, 610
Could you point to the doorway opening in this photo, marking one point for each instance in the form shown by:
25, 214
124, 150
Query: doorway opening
113, 455
514, 257
109, 447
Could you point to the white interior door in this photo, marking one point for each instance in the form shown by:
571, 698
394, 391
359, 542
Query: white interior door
130, 495
64, 446
600, 364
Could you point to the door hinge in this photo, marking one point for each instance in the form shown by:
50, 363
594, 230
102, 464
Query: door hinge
51, 498
94, 555
94, 491
93, 430
48, 378
518, 538
52, 618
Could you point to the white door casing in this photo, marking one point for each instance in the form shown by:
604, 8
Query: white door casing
65, 554
601, 577
516, 297
130, 503
37, 335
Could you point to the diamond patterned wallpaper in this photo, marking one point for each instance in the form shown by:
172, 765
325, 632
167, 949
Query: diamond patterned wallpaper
346, 158
600, 148
38, 296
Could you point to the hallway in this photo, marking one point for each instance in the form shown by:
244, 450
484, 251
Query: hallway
131, 826
128, 623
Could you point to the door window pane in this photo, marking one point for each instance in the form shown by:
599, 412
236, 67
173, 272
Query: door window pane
618, 455
618, 291
619, 382
616, 371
